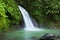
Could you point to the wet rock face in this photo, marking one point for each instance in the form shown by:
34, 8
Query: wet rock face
47, 37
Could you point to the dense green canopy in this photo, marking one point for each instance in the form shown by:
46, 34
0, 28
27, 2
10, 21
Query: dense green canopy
9, 14
44, 11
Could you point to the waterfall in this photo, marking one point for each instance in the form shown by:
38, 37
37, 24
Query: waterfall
27, 20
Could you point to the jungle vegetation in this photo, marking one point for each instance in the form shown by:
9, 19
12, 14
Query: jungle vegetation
9, 14
43, 11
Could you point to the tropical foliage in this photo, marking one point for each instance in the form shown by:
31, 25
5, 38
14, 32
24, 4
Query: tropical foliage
44, 11
9, 14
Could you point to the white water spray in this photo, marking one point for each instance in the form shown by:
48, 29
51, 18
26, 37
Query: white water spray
27, 20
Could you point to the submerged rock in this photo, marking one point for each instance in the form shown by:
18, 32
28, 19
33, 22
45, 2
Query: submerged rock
47, 37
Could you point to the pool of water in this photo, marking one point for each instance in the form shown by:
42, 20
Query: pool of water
27, 35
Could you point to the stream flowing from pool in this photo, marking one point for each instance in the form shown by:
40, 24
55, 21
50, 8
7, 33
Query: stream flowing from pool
27, 20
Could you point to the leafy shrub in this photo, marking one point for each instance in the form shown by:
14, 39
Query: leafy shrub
9, 14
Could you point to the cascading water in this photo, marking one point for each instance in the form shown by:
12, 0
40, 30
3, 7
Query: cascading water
27, 20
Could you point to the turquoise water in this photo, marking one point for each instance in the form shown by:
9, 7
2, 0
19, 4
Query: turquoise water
27, 35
